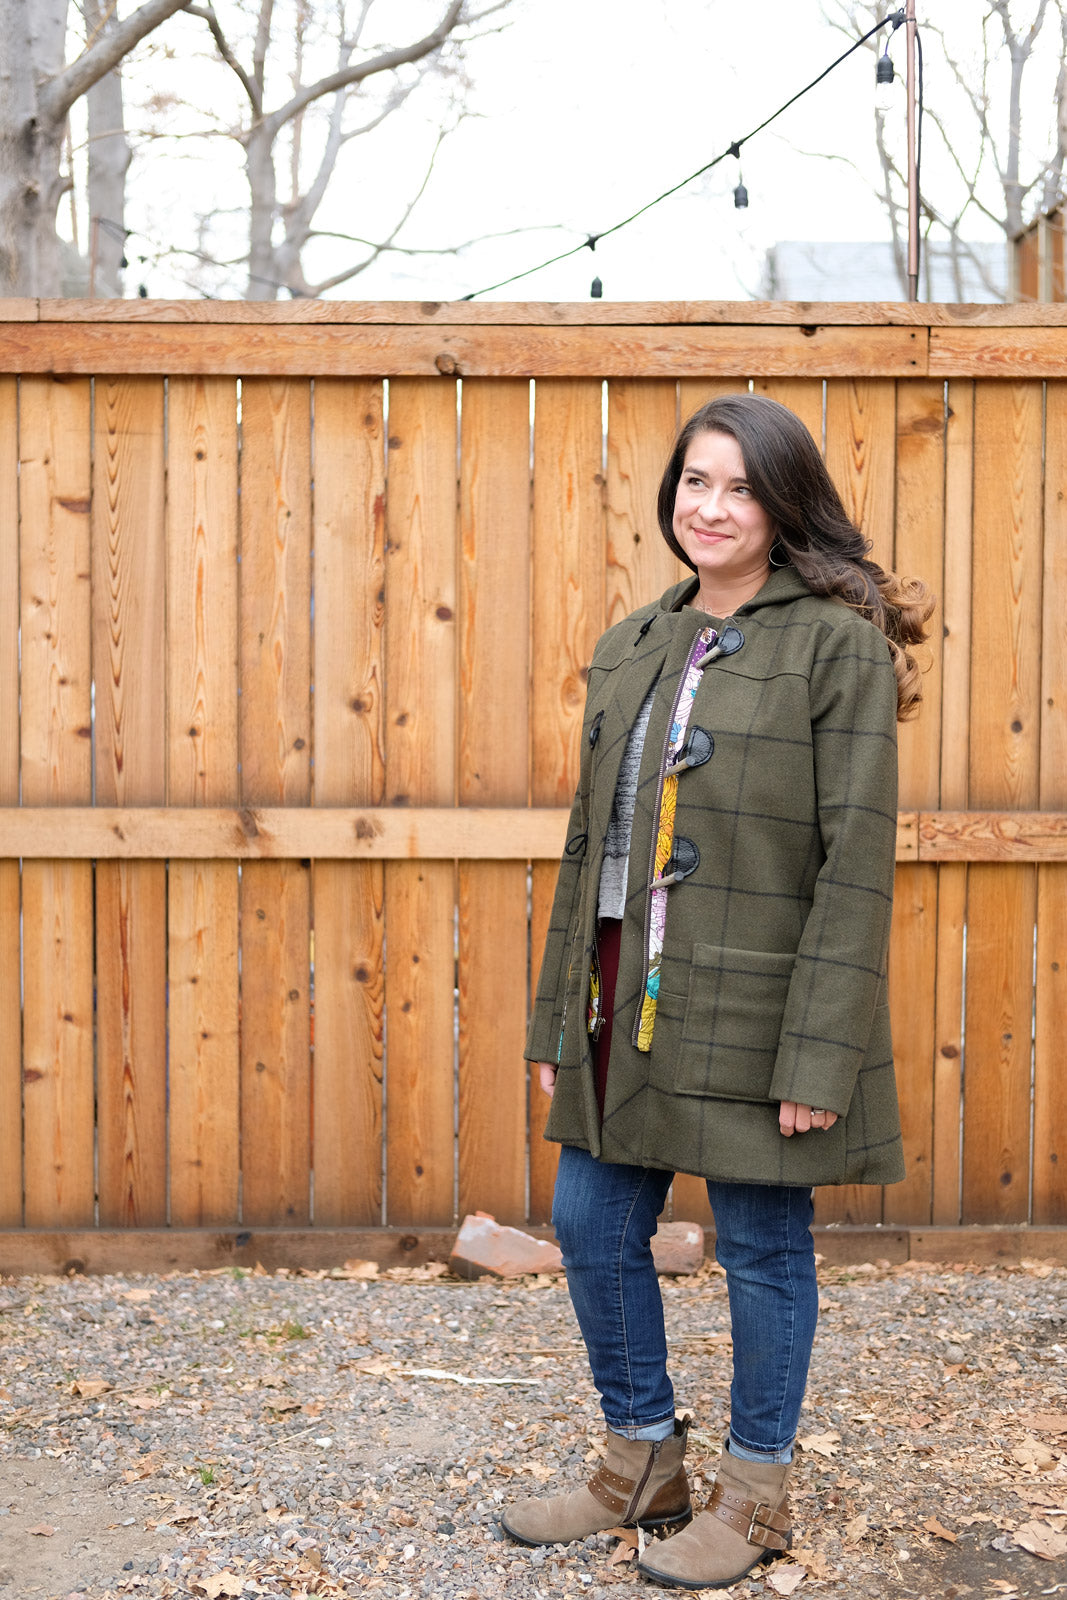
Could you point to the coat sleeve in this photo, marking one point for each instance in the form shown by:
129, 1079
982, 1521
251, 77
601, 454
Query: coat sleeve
839, 975
546, 1022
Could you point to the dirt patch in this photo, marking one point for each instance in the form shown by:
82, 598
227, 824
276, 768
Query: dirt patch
97, 1537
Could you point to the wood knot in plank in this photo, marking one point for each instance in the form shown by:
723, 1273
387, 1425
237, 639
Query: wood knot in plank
366, 828
447, 364
249, 826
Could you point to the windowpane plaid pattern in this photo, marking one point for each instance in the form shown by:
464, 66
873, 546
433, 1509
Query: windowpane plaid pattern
772, 973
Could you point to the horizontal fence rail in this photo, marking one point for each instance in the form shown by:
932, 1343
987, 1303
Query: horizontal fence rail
296, 606
439, 833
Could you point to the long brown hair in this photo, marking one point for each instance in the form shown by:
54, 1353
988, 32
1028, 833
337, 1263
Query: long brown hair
788, 477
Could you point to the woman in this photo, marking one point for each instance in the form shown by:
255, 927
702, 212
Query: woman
713, 997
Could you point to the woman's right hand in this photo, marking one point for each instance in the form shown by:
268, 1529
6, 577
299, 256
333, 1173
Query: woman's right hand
547, 1073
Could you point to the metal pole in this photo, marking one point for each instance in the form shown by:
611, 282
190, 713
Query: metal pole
913, 173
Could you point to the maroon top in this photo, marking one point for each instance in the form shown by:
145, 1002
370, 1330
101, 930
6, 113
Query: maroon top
609, 938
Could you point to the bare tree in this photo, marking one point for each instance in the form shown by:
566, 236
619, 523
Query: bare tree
108, 162
38, 88
282, 224
998, 69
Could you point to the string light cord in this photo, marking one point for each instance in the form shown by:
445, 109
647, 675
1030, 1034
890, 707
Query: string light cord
895, 19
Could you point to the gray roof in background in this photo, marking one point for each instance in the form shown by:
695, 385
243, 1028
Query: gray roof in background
814, 269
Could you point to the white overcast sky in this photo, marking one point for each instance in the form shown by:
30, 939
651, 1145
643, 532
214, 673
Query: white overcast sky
582, 111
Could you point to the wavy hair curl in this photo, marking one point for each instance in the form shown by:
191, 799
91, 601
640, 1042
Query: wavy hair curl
789, 480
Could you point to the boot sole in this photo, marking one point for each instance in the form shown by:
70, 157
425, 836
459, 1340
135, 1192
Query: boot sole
647, 1523
665, 1580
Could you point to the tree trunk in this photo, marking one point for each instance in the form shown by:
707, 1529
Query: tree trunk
263, 278
32, 40
109, 159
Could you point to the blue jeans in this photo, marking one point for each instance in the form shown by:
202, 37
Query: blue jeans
605, 1215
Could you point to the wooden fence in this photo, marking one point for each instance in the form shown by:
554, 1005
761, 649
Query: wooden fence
295, 610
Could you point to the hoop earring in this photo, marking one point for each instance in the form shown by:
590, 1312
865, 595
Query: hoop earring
783, 560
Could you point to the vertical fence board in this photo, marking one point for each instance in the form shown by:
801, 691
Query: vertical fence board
861, 457
275, 749
421, 570
493, 770
642, 422
860, 440
567, 619
920, 486
55, 492
955, 616
10, 889
1050, 1082
128, 569
1005, 739
802, 395
696, 392
201, 581
349, 913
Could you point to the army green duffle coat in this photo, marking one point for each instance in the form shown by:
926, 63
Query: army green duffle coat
772, 983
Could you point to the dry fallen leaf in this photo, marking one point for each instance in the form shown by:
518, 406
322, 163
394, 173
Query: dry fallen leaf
360, 1269
814, 1563
821, 1444
1033, 1453
1046, 1421
1042, 1540
621, 1554
933, 1526
90, 1388
374, 1367
855, 1529
220, 1583
42, 1530
783, 1580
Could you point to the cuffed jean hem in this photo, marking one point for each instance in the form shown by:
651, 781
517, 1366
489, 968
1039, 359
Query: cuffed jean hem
769, 1457
653, 1432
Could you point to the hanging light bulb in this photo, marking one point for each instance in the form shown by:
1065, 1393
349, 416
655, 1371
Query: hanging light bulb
884, 73
596, 290
740, 195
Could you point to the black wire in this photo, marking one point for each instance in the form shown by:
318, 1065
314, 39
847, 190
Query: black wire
896, 18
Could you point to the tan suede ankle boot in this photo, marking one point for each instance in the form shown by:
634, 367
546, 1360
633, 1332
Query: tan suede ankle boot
638, 1482
746, 1521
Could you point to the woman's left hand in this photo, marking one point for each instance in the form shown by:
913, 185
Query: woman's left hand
799, 1119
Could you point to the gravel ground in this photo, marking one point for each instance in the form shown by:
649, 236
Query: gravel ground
239, 1434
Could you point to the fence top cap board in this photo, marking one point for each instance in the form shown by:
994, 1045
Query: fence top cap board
436, 313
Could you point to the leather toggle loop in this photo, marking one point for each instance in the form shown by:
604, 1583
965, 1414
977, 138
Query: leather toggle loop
683, 859
576, 845
594, 731
728, 643
699, 747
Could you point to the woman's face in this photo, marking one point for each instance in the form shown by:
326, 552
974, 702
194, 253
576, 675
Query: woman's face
725, 533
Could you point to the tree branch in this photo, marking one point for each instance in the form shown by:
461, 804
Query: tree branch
207, 14
107, 50
388, 61
262, 44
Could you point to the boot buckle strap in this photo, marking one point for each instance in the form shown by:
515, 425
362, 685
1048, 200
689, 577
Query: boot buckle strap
754, 1518
606, 1486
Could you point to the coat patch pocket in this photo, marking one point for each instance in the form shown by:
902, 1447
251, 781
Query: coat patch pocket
733, 1020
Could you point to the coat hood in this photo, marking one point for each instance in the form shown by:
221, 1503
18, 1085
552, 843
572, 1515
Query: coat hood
784, 585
